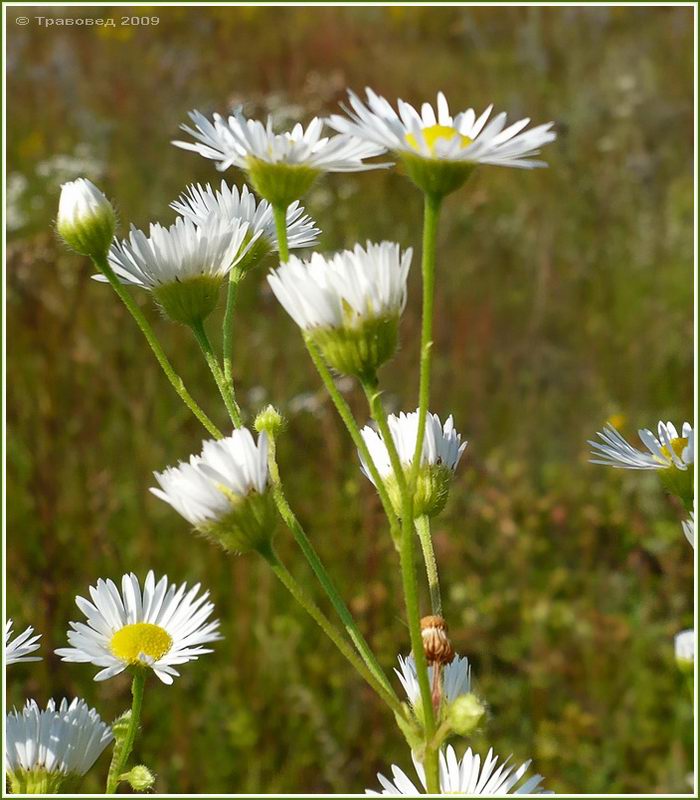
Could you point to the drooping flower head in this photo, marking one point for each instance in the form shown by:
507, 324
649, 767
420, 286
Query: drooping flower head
223, 491
158, 628
200, 203
47, 751
183, 266
440, 455
465, 776
439, 150
349, 304
671, 453
18, 649
86, 219
281, 166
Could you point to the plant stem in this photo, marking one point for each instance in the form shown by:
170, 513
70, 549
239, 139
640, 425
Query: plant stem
410, 588
309, 605
354, 431
234, 278
423, 530
117, 768
145, 327
226, 391
324, 578
431, 213
280, 214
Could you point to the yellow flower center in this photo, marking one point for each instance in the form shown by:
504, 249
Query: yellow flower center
678, 446
141, 638
435, 132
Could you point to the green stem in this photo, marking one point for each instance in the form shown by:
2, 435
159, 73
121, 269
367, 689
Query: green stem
121, 754
358, 440
234, 278
175, 380
280, 214
410, 588
309, 605
431, 214
324, 578
426, 540
226, 391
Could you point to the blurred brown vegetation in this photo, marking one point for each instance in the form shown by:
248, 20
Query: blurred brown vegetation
564, 297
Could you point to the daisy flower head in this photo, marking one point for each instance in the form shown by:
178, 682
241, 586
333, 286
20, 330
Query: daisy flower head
689, 528
223, 491
48, 750
465, 776
671, 453
348, 304
158, 627
183, 266
18, 649
438, 150
281, 166
86, 220
200, 203
440, 455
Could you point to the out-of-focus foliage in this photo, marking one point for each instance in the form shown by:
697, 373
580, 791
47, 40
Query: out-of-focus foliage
564, 297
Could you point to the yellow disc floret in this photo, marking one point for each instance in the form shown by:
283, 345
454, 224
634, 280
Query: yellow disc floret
678, 445
140, 638
435, 132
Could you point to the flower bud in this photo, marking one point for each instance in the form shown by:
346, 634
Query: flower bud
140, 778
436, 643
270, 421
465, 713
86, 220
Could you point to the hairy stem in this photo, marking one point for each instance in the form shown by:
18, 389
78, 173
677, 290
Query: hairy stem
226, 391
309, 605
426, 540
146, 329
116, 768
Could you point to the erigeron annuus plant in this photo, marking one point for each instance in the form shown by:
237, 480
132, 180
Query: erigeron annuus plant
348, 307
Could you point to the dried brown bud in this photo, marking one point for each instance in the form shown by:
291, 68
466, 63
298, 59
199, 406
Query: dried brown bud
436, 643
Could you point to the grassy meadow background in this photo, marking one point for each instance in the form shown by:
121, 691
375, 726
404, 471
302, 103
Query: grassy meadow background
564, 299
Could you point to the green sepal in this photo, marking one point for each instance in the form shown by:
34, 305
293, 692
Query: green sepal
250, 525
280, 184
92, 236
41, 781
436, 177
191, 300
680, 482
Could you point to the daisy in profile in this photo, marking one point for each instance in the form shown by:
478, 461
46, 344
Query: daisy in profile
438, 149
200, 203
281, 166
183, 266
467, 776
441, 453
18, 649
158, 628
223, 491
48, 750
348, 304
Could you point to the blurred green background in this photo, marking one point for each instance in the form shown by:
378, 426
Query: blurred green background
564, 299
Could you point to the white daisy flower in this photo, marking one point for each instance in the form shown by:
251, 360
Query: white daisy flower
200, 203
183, 265
689, 528
44, 748
86, 219
281, 166
160, 627
441, 453
349, 303
18, 650
436, 137
466, 776
668, 450
223, 491
685, 645
456, 678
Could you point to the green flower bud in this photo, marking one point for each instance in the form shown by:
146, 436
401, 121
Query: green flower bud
140, 778
464, 714
86, 220
269, 420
